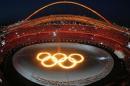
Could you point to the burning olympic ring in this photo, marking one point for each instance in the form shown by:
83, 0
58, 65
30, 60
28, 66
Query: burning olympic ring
59, 59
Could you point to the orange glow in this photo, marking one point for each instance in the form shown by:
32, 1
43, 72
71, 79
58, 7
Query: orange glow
59, 59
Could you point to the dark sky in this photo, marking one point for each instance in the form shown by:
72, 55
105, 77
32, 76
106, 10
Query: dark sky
117, 11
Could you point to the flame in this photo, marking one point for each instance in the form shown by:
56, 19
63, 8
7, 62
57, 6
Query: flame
48, 60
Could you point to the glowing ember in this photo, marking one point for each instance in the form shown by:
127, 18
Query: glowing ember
60, 59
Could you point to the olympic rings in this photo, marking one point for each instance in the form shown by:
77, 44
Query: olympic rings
59, 59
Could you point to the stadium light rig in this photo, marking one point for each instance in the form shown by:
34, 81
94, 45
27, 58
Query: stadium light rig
95, 49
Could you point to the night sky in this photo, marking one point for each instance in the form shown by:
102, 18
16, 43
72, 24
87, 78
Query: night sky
116, 11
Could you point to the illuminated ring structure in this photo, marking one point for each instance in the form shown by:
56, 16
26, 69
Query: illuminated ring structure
59, 61
68, 29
